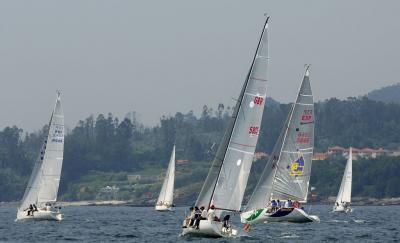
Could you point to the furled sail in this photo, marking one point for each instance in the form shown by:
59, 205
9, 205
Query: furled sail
287, 173
227, 178
45, 178
167, 190
344, 194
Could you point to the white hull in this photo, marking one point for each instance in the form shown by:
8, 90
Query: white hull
209, 228
40, 215
342, 209
162, 208
293, 215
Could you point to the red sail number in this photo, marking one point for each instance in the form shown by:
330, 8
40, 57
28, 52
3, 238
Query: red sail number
307, 115
253, 130
303, 138
258, 100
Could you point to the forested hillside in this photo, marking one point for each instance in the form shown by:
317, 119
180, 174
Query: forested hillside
389, 94
103, 151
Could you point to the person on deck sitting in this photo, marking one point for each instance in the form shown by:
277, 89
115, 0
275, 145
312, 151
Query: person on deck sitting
191, 216
187, 220
279, 204
211, 214
197, 215
226, 221
274, 205
34, 208
30, 210
202, 216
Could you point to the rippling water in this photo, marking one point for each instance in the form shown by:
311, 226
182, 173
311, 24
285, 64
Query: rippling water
134, 224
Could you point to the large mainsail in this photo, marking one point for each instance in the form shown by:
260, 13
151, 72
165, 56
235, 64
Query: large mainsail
344, 194
45, 178
167, 190
287, 172
227, 178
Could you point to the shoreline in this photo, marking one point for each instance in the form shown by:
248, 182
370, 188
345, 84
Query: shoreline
356, 201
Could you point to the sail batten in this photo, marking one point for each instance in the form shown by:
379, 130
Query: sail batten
227, 178
287, 172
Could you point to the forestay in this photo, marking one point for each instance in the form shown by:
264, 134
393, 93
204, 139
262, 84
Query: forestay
344, 194
287, 173
227, 178
167, 190
45, 178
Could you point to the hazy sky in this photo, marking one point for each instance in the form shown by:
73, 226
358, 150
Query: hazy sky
160, 57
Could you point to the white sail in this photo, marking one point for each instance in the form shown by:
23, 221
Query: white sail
344, 194
167, 190
45, 178
227, 178
287, 173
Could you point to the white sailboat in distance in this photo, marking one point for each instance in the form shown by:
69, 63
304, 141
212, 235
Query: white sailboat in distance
223, 190
165, 199
40, 195
286, 175
343, 198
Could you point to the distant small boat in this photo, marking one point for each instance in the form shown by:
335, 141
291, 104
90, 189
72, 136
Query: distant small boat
286, 175
165, 199
343, 198
226, 181
40, 195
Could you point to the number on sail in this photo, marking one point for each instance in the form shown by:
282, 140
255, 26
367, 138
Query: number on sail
258, 100
303, 138
307, 115
253, 130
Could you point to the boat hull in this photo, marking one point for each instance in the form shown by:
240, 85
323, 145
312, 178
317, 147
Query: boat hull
40, 215
293, 215
342, 209
163, 208
212, 229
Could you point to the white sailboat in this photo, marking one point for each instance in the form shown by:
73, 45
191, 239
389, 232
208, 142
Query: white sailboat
165, 199
287, 173
343, 198
226, 181
40, 195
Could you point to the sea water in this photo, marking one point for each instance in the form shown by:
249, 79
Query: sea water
141, 224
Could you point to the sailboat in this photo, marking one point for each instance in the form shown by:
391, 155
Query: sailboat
286, 175
226, 181
165, 199
40, 195
343, 199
